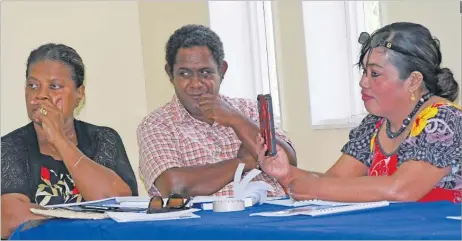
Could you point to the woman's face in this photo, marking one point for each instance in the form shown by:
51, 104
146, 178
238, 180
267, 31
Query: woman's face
51, 80
381, 88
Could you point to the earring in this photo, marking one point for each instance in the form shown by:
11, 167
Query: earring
412, 97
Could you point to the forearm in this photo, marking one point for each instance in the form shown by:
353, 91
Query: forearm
246, 130
357, 189
12, 217
197, 180
93, 180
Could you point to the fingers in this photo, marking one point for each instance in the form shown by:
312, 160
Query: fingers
206, 112
36, 116
259, 139
59, 103
47, 104
261, 151
207, 99
261, 147
47, 110
279, 148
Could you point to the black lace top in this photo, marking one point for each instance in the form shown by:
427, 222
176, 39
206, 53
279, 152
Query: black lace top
47, 181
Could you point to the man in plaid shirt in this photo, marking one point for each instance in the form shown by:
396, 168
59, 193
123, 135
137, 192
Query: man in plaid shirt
193, 144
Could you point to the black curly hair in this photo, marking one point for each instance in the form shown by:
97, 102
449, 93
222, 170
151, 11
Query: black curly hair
190, 36
424, 55
63, 54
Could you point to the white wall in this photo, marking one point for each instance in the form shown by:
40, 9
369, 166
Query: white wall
107, 36
442, 18
158, 20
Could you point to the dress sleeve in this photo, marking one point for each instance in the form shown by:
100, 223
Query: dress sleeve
436, 138
110, 152
358, 145
15, 174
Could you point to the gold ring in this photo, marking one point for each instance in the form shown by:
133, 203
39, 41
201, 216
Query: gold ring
43, 111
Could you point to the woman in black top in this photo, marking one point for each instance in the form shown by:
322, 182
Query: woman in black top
57, 159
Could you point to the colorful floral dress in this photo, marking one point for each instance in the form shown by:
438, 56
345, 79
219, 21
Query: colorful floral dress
435, 137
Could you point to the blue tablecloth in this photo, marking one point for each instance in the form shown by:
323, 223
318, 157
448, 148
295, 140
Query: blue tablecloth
397, 221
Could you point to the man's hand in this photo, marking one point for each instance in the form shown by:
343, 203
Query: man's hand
216, 109
244, 155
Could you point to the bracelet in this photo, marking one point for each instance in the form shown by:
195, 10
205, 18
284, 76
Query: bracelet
78, 161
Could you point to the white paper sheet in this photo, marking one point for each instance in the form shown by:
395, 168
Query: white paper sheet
244, 189
123, 217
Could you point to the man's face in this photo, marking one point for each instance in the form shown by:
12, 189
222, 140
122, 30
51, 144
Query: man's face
195, 72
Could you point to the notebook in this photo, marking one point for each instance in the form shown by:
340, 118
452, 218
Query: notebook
319, 210
291, 203
130, 201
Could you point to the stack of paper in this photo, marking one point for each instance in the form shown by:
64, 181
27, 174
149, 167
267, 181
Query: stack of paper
79, 210
122, 217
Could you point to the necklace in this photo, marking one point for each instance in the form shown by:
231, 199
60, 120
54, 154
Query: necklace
406, 121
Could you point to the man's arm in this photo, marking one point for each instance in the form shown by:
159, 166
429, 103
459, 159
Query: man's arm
161, 166
199, 180
214, 108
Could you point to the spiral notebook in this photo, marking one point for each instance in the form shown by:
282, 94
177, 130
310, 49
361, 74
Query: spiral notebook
291, 203
318, 210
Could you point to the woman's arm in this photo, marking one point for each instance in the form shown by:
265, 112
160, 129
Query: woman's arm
15, 211
347, 166
93, 180
412, 181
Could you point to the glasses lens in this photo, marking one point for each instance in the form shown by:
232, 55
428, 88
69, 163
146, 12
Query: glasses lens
175, 201
156, 202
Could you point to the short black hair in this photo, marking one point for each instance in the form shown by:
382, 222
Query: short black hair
426, 57
193, 35
63, 54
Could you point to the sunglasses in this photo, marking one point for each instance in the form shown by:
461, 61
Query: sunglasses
174, 202
378, 40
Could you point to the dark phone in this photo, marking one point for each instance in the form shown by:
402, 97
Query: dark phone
265, 111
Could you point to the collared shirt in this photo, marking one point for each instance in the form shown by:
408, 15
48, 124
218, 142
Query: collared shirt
170, 137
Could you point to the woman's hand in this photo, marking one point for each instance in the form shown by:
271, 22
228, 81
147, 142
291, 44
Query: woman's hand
299, 189
276, 166
50, 116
